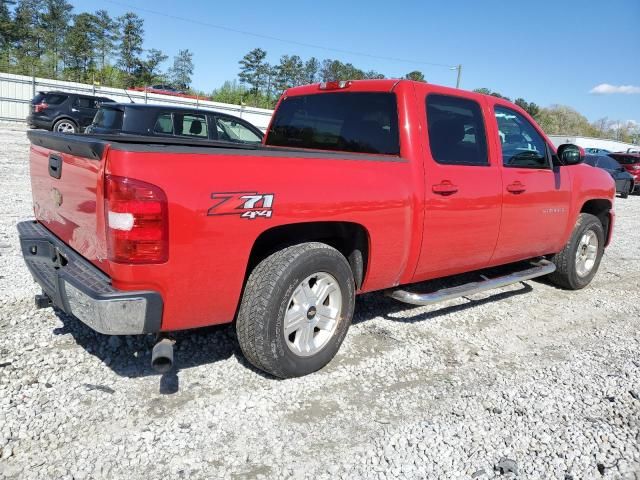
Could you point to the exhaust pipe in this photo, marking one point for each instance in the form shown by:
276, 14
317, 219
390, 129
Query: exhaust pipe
162, 355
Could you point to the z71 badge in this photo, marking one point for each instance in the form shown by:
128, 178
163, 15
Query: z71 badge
249, 205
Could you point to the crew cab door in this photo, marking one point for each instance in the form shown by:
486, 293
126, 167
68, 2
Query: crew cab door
462, 186
535, 192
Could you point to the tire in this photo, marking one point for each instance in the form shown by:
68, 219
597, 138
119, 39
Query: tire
569, 274
274, 298
624, 195
65, 125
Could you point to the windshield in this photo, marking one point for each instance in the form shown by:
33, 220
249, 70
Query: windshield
361, 122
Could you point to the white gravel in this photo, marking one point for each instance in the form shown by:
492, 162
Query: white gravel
528, 379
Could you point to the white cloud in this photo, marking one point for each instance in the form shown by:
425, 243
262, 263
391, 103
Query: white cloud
607, 89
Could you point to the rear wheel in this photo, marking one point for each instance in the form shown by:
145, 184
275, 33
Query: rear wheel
296, 309
579, 260
65, 126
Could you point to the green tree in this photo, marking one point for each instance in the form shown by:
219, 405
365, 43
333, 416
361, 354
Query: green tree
254, 71
415, 75
529, 107
373, 75
131, 28
311, 70
80, 43
27, 28
486, 91
564, 120
289, 72
7, 34
182, 69
106, 37
148, 71
55, 21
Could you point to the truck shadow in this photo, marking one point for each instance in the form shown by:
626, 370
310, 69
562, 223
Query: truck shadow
391, 307
130, 356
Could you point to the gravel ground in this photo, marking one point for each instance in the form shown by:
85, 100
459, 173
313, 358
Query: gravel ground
528, 381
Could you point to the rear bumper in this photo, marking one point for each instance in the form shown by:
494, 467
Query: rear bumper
39, 122
80, 289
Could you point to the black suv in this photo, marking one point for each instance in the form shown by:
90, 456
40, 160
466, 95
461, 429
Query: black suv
63, 111
169, 121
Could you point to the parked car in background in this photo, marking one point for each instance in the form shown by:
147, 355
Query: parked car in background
167, 89
624, 180
163, 89
631, 163
595, 151
63, 112
166, 120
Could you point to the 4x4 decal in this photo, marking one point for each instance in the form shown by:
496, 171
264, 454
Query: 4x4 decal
249, 205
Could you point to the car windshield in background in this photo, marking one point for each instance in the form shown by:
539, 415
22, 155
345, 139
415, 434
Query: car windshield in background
110, 118
353, 122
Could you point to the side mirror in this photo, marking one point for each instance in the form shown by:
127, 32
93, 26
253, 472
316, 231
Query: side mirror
570, 154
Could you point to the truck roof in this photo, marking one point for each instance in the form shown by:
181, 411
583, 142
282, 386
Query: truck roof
373, 85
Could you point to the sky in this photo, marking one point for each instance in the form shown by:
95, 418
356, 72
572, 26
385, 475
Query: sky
585, 54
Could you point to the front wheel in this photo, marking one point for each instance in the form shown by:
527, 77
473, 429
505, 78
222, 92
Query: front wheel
296, 309
579, 260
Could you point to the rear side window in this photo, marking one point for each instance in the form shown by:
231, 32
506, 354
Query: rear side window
164, 124
456, 131
110, 118
365, 122
85, 102
49, 98
191, 125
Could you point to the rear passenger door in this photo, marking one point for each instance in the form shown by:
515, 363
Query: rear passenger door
462, 187
85, 109
535, 192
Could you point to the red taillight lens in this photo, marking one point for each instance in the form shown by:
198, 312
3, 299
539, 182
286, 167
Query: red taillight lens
137, 221
40, 107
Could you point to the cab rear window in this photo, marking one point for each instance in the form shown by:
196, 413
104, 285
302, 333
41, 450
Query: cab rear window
363, 122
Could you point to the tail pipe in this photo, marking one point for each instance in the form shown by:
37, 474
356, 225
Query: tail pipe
162, 355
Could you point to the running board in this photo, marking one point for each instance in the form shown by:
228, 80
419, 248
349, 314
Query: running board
539, 269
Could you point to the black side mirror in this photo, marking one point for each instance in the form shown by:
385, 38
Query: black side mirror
570, 154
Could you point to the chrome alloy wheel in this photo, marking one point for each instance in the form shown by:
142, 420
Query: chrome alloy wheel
65, 127
586, 253
313, 314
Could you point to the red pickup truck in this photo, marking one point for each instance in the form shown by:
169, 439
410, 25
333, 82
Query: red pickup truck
358, 186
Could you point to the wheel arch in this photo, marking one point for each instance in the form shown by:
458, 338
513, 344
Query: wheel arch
601, 208
64, 117
350, 239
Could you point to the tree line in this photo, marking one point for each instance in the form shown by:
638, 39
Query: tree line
46, 38
564, 120
264, 82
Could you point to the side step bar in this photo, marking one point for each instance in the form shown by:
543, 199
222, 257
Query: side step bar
539, 268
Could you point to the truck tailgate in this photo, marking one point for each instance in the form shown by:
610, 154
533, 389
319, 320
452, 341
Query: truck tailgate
67, 186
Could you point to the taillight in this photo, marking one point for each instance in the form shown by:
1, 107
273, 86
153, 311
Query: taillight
137, 221
40, 107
